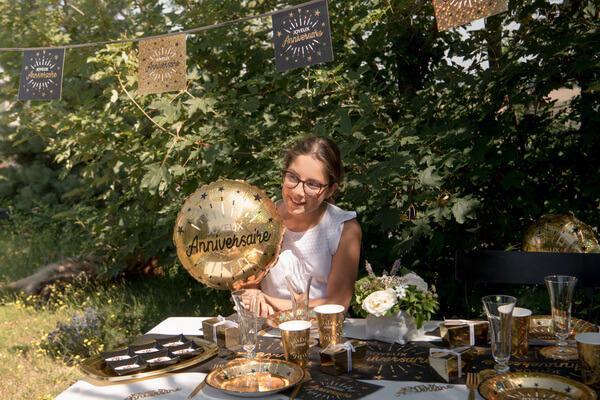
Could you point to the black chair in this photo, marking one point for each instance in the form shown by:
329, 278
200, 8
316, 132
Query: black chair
525, 268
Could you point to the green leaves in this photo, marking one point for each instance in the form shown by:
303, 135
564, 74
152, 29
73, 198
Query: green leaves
157, 179
464, 208
428, 177
466, 147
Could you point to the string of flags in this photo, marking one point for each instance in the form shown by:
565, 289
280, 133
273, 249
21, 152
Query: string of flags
301, 37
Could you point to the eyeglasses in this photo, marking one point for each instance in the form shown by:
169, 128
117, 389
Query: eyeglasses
310, 187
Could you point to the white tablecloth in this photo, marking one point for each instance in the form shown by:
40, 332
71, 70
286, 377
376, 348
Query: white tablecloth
179, 386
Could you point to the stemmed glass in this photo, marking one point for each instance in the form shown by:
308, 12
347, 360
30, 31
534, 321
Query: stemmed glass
299, 288
246, 304
560, 290
499, 309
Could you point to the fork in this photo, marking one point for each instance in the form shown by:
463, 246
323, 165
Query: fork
201, 385
472, 383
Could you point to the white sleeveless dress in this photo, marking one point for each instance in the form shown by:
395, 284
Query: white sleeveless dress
308, 252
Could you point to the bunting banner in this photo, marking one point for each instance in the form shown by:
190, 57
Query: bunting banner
42, 74
453, 13
162, 65
302, 36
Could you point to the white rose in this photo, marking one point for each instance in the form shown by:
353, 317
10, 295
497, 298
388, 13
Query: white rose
415, 280
378, 303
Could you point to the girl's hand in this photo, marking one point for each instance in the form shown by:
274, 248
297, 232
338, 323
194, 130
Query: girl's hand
264, 308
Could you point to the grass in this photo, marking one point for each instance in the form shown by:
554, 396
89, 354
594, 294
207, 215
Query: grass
33, 369
26, 373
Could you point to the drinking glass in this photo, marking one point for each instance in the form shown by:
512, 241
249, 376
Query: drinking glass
560, 290
248, 319
299, 288
499, 309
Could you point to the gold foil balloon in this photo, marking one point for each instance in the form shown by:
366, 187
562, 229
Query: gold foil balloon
562, 234
228, 234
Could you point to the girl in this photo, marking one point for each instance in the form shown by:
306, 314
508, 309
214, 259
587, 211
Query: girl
320, 239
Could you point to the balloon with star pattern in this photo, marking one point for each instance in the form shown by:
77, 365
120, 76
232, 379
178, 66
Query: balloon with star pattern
228, 234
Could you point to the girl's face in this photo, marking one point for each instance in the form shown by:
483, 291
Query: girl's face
304, 199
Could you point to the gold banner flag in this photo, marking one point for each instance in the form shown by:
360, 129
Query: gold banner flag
162, 65
453, 13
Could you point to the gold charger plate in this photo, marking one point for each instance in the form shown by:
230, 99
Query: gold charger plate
534, 385
95, 368
255, 377
540, 328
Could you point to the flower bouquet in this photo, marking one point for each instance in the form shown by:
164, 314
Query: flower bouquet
396, 306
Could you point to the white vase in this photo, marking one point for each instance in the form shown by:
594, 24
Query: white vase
398, 328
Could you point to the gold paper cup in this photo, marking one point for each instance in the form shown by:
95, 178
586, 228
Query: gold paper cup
588, 346
521, 318
295, 337
330, 318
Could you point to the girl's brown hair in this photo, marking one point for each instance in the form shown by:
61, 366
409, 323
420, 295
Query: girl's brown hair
322, 149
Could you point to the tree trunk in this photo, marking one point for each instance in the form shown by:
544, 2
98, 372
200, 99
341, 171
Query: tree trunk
66, 270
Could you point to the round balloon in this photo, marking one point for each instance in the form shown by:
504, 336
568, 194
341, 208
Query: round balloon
228, 234
562, 234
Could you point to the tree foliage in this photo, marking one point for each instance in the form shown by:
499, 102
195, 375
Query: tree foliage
477, 147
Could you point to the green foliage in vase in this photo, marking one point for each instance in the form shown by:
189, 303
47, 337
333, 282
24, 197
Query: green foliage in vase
477, 147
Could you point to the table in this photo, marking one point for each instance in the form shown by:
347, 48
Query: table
177, 386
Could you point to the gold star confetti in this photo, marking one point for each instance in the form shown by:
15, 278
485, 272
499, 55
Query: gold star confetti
278, 33
318, 12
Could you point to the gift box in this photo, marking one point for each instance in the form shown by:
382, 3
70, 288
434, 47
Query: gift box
222, 331
338, 359
462, 332
451, 364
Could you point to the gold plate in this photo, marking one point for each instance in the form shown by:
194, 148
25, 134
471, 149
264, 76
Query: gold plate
540, 328
95, 367
255, 377
534, 385
277, 318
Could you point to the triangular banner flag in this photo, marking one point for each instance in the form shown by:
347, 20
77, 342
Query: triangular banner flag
162, 65
42, 74
302, 36
452, 13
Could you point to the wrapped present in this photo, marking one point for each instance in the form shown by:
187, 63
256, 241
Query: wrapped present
463, 332
337, 359
451, 364
222, 331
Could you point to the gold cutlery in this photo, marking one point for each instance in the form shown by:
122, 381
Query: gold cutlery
197, 389
201, 385
472, 384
